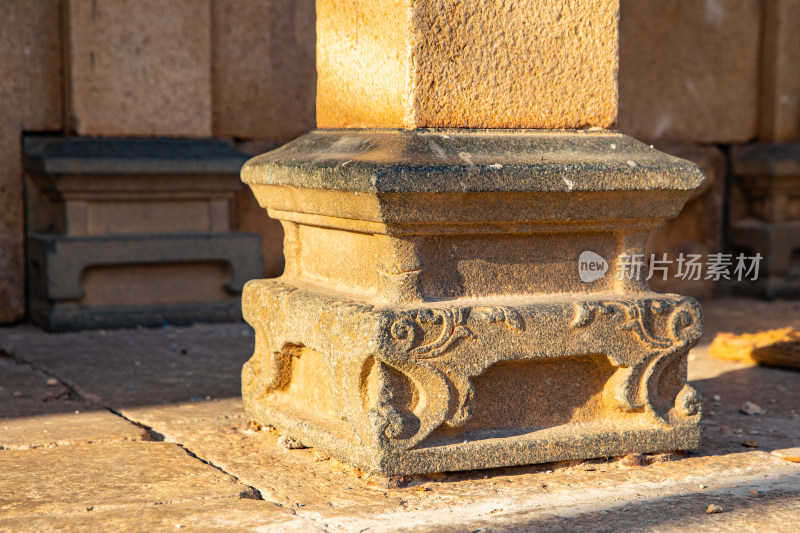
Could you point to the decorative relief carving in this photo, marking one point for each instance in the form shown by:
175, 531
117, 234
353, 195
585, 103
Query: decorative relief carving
433, 349
668, 328
452, 327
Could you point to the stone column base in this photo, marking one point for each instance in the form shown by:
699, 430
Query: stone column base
489, 383
451, 299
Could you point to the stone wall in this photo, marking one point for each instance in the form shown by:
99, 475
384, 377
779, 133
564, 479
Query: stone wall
30, 99
693, 74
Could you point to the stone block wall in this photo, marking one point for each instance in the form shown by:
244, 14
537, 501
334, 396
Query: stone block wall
30, 99
240, 71
699, 80
700, 76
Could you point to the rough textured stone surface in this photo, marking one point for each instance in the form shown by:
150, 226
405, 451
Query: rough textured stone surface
688, 70
780, 75
38, 411
756, 489
198, 515
47, 431
115, 186
250, 218
142, 366
433, 286
30, 93
96, 282
788, 454
26, 392
460, 64
271, 94
54, 480
698, 229
139, 67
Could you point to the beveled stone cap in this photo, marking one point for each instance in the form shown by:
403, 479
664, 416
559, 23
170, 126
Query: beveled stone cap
476, 176
393, 161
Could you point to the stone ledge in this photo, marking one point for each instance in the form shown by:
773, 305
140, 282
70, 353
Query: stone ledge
464, 161
58, 267
129, 155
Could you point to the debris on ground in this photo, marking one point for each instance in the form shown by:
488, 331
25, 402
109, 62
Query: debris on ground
750, 444
750, 408
713, 509
320, 456
389, 482
344, 468
290, 443
774, 347
635, 459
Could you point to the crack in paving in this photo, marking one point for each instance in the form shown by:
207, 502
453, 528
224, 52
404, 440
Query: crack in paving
93, 400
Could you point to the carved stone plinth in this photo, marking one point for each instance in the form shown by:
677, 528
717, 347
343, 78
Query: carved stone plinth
432, 315
768, 176
130, 232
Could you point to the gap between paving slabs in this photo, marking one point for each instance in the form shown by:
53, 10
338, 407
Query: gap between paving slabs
216, 432
95, 404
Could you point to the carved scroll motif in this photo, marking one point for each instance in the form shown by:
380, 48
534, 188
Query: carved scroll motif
668, 329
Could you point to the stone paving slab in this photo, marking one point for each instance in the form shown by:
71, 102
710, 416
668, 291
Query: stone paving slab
25, 392
324, 491
146, 366
75, 478
37, 410
46, 431
305, 491
206, 515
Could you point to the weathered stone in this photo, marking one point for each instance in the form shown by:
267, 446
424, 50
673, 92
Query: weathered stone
25, 392
107, 217
699, 227
12, 254
46, 431
30, 93
767, 219
132, 186
140, 367
769, 177
272, 98
200, 515
38, 411
466, 299
454, 64
250, 218
139, 67
688, 70
780, 76
575, 496
527, 495
54, 480
107, 282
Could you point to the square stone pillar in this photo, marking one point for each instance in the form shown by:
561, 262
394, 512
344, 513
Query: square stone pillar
450, 299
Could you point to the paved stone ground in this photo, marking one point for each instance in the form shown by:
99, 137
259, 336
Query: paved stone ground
143, 430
